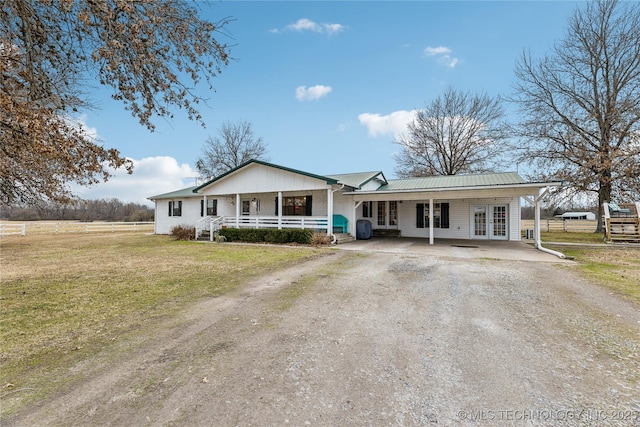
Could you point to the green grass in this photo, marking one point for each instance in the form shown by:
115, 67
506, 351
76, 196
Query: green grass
572, 237
616, 267
66, 297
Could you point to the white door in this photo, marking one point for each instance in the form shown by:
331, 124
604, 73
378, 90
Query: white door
498, 222
490, 222
479, 222
387, 215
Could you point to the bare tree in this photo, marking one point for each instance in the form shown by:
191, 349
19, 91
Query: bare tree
234, 145
581, 103
152, 53
455, 133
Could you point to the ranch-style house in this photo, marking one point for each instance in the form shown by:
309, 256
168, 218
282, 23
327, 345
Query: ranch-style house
261, 194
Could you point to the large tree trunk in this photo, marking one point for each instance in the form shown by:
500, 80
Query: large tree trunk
604, 195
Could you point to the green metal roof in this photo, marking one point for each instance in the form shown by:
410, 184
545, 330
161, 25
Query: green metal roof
453, 181
185, 192
357, 179
328, 180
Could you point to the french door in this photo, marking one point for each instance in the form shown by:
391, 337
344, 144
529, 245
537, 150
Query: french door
490, 222
387, 215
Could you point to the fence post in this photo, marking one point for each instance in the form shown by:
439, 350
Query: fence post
24, 229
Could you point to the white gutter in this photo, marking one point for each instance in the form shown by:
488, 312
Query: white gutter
536, 226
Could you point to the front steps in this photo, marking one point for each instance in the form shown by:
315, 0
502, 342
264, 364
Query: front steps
381, 232
343, 238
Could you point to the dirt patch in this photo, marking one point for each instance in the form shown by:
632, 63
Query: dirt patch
374, 339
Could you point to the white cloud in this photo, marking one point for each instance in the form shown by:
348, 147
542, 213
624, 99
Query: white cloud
440, 50
390, 124
442, 55
151, 176
304, 93
304, 24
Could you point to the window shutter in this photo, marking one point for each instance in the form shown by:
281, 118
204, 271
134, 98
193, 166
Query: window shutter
444, 215
276, 203
170, 208
419, 215
201, 207
308, 208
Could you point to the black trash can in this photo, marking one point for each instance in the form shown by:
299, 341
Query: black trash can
363, 229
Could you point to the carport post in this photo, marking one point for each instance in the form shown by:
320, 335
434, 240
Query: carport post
431, 221
329, 211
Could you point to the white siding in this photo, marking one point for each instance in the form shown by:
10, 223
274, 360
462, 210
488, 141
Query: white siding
514, 219
459, 218
190, 214
257, 178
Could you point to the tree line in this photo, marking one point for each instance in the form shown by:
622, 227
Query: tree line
112, 210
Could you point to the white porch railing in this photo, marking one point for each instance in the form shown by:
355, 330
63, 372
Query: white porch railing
202, 224
313, 222
215, 225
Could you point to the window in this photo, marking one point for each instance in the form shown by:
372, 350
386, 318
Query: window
212, 207
367, 209
393, 212
382, 213
297, 206
246, 207
175, 208
440, 215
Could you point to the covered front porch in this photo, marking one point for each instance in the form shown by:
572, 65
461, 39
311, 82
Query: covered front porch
312, 209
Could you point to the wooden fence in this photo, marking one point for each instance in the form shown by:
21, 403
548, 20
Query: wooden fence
8, 228
560, 225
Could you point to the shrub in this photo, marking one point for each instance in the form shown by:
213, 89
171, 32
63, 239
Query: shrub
183, 232
320, 239
268, 235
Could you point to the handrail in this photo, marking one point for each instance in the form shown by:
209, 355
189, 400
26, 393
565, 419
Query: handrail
201, 225
215, 225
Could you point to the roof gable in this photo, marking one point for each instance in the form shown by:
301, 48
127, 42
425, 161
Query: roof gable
178, 194
328, 180
359, 179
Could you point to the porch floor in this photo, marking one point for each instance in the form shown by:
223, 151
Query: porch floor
455, 248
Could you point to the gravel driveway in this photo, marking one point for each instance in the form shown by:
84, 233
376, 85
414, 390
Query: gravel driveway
379, 338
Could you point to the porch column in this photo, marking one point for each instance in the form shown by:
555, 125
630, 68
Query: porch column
237, 210
329, 211
431, 221
204, 206
279, 210
536, 221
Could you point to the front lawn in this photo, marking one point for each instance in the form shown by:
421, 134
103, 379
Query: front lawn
65, 297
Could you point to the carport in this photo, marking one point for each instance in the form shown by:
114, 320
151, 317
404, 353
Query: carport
478, 207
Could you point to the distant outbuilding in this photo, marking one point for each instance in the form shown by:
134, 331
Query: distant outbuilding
577, 215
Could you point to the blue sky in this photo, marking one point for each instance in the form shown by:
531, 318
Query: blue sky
328, 85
